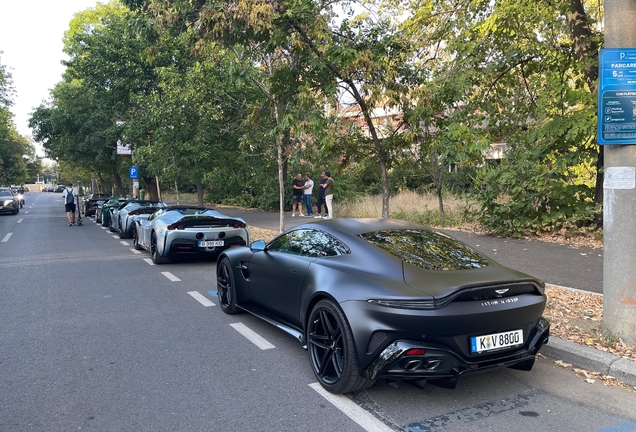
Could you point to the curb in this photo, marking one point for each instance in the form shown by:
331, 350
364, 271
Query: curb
583, 357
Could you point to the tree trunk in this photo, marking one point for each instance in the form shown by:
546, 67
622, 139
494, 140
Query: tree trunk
151, 188
119, 186
200, 193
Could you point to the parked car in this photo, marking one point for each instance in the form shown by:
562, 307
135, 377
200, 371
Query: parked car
177, 230
9, 202
90, 203
102, 212
383, 298
60, 188
121, 220
107, 209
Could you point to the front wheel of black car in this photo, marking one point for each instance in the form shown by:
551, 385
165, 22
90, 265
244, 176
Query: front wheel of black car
332, 350
225, 287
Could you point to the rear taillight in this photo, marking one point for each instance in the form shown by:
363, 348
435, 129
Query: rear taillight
239, 225
175, 227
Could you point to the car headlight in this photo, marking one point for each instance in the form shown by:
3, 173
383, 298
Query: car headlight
7, 202
20, 197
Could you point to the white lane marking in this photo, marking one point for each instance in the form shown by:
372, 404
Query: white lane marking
352, 410
201, 298
149, 261
116, 237
103, 228
170, 276
125, 243
6, 238
252, 336
135, 251
19, 220
26, 212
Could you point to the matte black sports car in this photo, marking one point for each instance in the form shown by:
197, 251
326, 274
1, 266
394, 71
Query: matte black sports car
383, 298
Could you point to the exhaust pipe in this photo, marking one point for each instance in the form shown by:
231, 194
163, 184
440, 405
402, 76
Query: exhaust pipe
411, 365
432, 364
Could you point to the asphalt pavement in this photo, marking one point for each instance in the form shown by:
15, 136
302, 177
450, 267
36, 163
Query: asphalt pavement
579, 268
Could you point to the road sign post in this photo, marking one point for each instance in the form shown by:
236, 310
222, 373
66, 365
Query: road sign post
617, 130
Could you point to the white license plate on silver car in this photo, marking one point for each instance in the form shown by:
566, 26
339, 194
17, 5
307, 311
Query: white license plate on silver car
496, 341
211, 243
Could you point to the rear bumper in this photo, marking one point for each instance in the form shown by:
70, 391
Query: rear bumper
440, 361
190, 246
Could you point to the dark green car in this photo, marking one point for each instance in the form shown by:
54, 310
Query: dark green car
102, 213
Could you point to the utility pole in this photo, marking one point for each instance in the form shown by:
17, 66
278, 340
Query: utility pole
619, 194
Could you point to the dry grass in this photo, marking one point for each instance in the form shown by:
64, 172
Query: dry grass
403, 203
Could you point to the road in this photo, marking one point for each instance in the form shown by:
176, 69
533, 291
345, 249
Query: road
94, 337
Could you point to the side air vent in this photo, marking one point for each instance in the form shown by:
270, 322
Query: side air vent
376, 339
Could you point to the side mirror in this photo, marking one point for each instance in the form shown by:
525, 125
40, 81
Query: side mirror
258, 246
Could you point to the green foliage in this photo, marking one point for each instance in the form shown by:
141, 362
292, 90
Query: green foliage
18, 163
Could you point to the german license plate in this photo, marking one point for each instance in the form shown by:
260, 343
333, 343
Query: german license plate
496, 341
211, 243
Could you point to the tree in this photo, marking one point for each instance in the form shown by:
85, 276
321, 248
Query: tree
17, 155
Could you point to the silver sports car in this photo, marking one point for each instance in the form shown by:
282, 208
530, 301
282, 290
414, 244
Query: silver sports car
178, 230
121, 219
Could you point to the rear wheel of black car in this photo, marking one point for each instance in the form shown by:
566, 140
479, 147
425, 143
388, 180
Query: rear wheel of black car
332, 351
157, 258
225, 287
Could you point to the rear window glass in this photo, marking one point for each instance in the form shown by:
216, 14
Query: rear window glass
427, 249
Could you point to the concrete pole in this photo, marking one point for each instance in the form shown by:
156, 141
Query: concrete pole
619, 205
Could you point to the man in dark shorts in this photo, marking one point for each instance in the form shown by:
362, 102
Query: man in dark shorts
297, 198
69, 195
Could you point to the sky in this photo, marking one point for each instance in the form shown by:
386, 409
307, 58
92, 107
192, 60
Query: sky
31, 35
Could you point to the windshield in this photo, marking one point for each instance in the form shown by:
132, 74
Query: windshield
5, 193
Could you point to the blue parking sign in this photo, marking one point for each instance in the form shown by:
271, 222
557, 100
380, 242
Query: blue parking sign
134, 172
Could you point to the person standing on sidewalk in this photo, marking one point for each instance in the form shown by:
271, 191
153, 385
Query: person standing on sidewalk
69, 195
309, 187
328, 187
321, 196
297, 198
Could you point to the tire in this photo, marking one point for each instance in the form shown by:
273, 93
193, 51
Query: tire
122, 233
110, 225
97, 219
16, 210
226, 288
156, 257
332, 351
136, 245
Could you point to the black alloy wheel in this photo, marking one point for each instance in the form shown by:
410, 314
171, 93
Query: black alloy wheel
332, 350
121, 232
157, 258
135, 237
225, 287
111, 228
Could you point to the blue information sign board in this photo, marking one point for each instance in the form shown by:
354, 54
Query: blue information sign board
134, 172
617, 96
